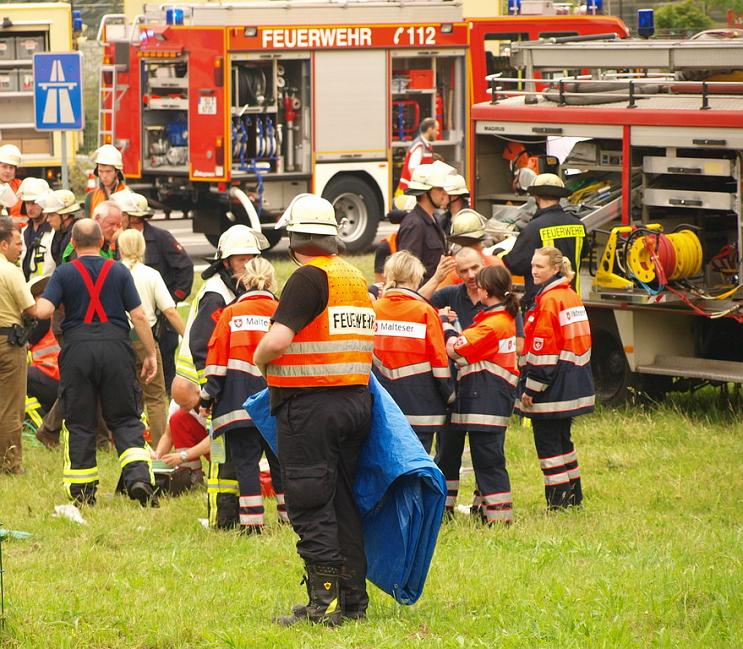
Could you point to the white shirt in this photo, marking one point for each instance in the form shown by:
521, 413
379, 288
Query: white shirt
152, 291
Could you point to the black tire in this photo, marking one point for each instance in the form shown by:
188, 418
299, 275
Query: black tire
611, 374
213, 239
356, 202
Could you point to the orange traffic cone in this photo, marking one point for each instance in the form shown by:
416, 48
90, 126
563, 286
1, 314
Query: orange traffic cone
92, 181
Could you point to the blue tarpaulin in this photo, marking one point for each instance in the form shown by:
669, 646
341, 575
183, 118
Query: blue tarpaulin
399, 491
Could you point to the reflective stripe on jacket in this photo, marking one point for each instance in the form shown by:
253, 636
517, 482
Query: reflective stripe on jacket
231, 375
488, 372
335, 349
426, 149
410, 358
184, 365
556, 366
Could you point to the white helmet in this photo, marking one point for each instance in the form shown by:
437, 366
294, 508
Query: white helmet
238, 240
108, 154
428, 176
467, 224
8, 197
10, 154
61, 201
310, 214
131, 203
456, 186
32, 189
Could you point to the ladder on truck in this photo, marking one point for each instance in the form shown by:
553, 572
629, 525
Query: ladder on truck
113, 27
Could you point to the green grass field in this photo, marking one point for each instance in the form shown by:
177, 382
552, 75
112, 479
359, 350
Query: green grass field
653, 558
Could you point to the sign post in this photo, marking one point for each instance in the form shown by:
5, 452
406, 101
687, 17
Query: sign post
58, 97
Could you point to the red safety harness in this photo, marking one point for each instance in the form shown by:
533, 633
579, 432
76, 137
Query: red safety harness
94, 291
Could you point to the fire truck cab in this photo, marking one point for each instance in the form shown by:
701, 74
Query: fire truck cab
655, 161
215, 105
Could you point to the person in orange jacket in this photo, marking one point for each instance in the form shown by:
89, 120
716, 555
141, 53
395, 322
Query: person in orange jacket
109, 169
410, 358
231, 377
557, 384
486, 390
43, 370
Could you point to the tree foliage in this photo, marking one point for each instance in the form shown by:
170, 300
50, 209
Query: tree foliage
682, 17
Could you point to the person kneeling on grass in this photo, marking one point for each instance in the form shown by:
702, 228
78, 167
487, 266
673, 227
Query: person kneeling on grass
486, 390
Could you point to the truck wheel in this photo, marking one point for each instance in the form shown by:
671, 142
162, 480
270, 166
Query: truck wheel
273, 236
611, 374
357, 209
213, 239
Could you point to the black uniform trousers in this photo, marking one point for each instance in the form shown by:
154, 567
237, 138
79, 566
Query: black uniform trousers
97, 363
42, 386
320, 434
558, 461
167, 340
244, 448
489, 463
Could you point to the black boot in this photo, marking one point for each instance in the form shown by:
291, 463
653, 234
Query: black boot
324, 606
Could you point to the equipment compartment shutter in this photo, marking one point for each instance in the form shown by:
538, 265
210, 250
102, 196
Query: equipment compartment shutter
351, 104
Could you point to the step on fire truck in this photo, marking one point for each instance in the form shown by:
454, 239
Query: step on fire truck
655, 161
27, 29
223, 111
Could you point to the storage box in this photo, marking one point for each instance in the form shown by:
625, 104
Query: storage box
27, 46
420, 79
8, 81
25, 80
7, 49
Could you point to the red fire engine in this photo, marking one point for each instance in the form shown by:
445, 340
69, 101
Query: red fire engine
655, 162
217, 105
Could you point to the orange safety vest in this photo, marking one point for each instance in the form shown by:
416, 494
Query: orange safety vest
98, 196
392, 243
335, 349
45, 355
19, 218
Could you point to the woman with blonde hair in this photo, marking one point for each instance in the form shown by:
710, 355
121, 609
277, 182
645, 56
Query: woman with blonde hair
231, 377
155, 298
556, 380
409, 353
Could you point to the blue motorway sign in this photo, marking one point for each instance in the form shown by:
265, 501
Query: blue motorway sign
58, 91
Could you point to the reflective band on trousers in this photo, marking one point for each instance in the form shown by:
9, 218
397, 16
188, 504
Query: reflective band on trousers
251, 519
494, 515
481, 420
251, 501
331, 369
222, 486
492, 368
503, 498
79, 476
134, 455
556, 479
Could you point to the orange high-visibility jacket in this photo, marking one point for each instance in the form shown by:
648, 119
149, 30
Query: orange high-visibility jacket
488, 372
410, 358
231, 375
420, 146
556, 366
335, 349
98, 196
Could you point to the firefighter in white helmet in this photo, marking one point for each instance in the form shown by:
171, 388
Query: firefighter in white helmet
109, 169
10, 160
420, 231
317, 356
237, 245
38, 234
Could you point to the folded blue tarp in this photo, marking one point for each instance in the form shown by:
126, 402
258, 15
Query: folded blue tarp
399, 491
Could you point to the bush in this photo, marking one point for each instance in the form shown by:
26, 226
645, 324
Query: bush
682, 18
